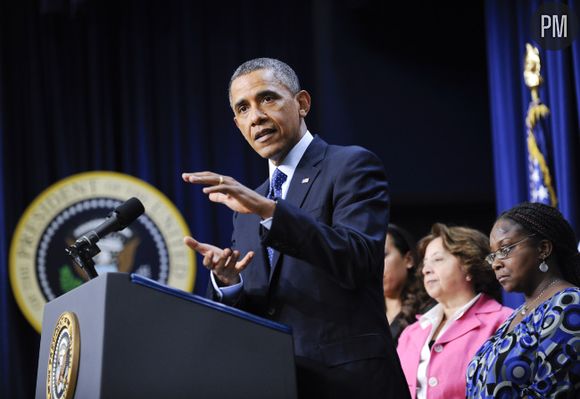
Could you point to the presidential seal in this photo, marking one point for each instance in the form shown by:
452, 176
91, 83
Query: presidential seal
152, 246
63, 359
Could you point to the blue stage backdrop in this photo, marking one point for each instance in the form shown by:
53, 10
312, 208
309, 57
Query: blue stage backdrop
508, 31
4, 289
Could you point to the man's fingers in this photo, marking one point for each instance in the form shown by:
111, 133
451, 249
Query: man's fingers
207, 178
208, 260
197, 246
241, 265
218, 197
196, 177
216, 260
231, 262
185, 177
190, 242
219, 260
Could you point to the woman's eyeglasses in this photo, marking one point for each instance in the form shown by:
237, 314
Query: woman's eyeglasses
504, 252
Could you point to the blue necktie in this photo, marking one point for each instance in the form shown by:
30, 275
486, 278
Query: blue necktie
278, 178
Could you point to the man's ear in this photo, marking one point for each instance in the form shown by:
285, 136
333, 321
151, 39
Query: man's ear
303, 98
236, 122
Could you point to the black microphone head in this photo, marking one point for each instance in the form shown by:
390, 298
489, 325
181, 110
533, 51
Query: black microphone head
128, 211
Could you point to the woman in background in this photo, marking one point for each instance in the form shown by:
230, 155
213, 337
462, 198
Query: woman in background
405, 296
536, 352
436, 350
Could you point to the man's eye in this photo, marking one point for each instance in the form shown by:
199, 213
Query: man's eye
503, 252
242, 109
268, 99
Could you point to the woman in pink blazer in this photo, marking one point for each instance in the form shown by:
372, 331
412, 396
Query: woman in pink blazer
436, 350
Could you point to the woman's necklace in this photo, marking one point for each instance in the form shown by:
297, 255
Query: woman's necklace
528, 306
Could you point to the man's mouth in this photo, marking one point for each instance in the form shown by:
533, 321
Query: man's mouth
263, 135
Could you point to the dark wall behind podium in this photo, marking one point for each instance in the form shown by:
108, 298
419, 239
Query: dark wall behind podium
140, 87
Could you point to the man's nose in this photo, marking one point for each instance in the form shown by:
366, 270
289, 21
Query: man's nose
257, 116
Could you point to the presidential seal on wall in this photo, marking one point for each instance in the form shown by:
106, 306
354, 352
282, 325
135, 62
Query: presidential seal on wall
63, 359
151, 246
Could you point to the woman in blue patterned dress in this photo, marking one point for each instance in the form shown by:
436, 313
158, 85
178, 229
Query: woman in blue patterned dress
536, 352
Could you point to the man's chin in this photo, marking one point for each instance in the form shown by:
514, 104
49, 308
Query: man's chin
273, 154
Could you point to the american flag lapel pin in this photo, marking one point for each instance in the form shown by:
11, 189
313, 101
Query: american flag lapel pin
305, 180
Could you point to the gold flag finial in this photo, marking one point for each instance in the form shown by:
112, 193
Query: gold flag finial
533, 79
532, 67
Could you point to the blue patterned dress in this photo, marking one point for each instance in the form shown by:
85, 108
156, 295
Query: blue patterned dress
539, 358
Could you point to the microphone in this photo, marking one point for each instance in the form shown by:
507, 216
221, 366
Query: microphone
85, 247
121, 217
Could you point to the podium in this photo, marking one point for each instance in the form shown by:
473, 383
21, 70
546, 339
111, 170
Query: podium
140, 339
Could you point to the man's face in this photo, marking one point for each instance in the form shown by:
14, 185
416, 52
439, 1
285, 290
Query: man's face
268, 114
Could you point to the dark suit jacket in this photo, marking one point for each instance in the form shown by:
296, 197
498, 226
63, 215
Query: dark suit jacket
327, 277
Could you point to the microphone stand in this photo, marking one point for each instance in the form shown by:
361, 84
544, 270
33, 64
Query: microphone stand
82, 253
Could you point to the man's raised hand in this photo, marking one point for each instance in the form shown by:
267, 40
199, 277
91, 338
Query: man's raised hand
226, 190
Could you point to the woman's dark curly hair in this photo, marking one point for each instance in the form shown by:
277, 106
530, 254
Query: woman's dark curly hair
547, 223
471, 247
414, 298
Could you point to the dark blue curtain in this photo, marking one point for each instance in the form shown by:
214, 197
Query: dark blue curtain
129, 86
5, 291
508, 30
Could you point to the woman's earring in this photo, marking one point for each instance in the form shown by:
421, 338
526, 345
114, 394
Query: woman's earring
543, 266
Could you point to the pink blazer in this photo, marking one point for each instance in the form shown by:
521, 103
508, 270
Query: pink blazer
452, 351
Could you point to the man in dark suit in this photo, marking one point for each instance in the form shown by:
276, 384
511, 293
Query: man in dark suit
307, 246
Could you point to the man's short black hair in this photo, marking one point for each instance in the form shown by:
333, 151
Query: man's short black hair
282, 71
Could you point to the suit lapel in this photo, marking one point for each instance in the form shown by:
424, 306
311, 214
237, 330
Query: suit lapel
303, 179
306, 172
301, 183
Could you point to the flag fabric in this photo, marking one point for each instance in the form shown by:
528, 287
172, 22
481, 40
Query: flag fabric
541, 182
